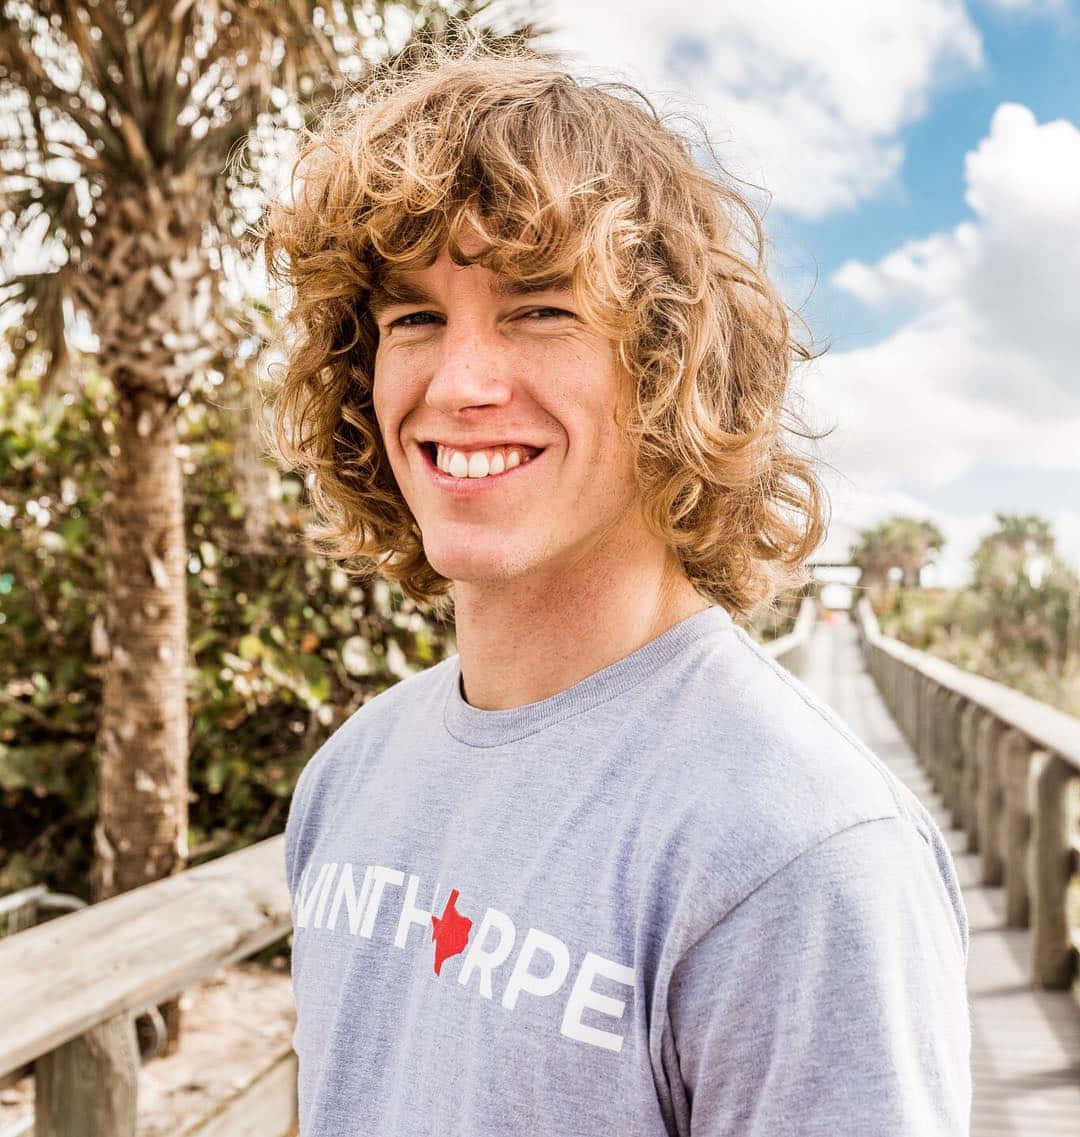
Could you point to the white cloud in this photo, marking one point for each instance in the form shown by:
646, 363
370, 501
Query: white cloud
1013, 275
998, 298
812, 97
985, 369
856, 508
1037, 7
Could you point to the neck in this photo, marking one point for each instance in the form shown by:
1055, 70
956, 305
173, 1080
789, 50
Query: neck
521, 642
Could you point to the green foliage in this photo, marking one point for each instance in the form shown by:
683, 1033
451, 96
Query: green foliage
282, 645
1018, 623
50, 596
899, 545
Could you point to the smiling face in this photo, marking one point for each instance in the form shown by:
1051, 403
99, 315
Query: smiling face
466, 358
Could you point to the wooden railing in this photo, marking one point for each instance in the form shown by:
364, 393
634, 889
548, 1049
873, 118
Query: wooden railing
70, 989
790, 650
1005, 766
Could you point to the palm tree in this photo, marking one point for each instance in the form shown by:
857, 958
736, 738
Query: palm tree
914, 545
117, 124
1013, 548
1028, 591
899, 542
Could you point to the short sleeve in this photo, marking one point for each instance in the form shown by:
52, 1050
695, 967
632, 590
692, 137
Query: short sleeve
832, 1001
294, 821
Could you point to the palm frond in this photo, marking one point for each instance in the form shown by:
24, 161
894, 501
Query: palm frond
144, 104
39, 303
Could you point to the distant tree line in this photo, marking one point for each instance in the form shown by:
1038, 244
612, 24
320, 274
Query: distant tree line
1017, 620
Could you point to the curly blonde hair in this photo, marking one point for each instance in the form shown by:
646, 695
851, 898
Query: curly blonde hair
559, 177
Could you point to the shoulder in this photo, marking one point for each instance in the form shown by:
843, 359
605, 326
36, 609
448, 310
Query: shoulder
761, 771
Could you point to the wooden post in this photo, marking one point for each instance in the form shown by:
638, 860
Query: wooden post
921, 699
940, 739
88, 1086
911, 715
1015, 750
937, 739
1052, 956
969, 721
903, 699
933, 735
954, 759
987, 735
927, 700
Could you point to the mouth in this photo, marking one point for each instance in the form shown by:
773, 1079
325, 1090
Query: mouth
429, 451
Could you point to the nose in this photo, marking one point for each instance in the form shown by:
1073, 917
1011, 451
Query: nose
473, 369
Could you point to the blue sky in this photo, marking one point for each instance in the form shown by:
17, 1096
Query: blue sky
922, 160
1031, 59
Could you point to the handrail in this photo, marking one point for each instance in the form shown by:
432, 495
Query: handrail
1005, 765
1050, 728
144, 946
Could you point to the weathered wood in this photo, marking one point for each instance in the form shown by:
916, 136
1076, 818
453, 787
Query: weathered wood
939, 749
927, 691
969, 720
1015, 750
265, 1107
64, 977
1049, 728
88, 1086
954, 758
1014, 758
1053, 957
910, 704
988, 734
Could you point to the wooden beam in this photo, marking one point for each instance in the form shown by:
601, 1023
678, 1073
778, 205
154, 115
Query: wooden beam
70, 974
88, 1087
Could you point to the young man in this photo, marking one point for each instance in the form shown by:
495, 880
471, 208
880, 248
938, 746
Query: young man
608, 869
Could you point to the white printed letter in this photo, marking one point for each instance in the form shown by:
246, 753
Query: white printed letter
346, 891
583, 996
522, 980
486, 961
310, 895
411, 914
379, 877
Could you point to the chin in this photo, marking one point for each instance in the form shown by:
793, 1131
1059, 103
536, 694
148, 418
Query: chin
469, 564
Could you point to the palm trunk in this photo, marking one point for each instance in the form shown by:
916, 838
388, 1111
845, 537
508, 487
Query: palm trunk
141, 833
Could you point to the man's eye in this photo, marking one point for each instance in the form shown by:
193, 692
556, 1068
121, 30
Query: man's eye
413, 320
548, 311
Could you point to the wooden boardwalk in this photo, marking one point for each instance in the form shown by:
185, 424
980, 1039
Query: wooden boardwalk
1025, 1041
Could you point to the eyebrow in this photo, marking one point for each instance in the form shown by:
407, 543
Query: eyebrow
398, 290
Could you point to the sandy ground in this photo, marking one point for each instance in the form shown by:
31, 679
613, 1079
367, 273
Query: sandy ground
233, 1024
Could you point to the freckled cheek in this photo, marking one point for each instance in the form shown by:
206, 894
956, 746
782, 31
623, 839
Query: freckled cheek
390, 403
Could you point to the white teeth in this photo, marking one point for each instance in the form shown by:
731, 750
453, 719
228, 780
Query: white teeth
479, 464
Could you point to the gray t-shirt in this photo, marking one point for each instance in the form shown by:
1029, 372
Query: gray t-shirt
679, 897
